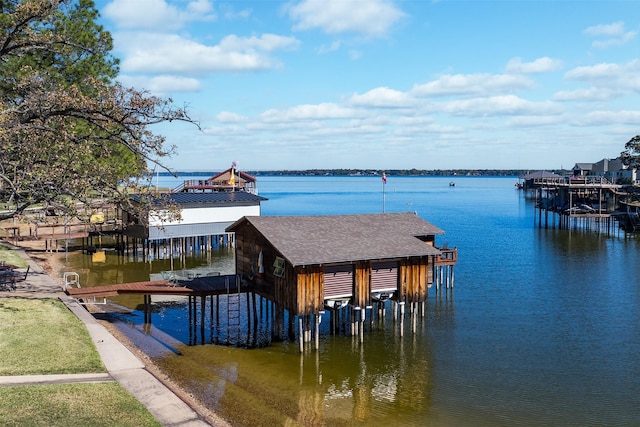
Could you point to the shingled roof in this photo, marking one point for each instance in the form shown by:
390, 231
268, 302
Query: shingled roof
308, 240
245, 176
209, 198
541, 174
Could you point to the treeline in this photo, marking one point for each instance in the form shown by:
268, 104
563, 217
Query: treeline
376, 172
396, 172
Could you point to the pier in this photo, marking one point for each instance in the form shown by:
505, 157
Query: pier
51, 229
224, 310
586, 203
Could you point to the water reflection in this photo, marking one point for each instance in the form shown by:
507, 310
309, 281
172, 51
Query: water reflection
382, 380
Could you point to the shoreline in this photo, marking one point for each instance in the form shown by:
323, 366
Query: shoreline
52, 264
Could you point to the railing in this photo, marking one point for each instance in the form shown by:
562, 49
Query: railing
582, 180
202, 183
447, 256
207, 184
58, 230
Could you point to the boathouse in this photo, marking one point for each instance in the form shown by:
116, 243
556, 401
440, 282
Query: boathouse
203, 214
576, 202
307, 263
231, 179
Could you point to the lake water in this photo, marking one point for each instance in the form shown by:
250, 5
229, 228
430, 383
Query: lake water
543, 327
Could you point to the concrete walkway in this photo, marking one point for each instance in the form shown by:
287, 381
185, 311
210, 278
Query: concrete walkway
121, 364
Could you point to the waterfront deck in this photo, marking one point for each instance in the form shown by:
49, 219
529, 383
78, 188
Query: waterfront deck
201, 286
587, 203
447, 257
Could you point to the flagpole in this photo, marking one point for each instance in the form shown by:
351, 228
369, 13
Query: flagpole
384, 184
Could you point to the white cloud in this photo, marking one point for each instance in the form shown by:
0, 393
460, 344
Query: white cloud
609, 117
227, 130
496, 106
418, 130
156, 14
594, 72
161, 85
608, 75
540, 65
383, 97
170, 53
372, 18
266, 43
229, 117
200, 7
335, 45
587, 94
528, 121
603, 44
472, 84
322, 111
612, 30
232, 14
615, 34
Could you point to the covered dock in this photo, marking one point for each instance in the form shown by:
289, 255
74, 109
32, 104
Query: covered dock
575, 202
309, 264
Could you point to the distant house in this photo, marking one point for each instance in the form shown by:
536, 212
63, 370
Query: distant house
582, 169
228, 180
203, 214
611, 169
304, 261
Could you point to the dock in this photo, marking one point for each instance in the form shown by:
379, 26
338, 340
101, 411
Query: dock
203, 296
587, 203
203, 286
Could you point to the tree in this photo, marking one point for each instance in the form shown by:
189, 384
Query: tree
631, 154
68, 132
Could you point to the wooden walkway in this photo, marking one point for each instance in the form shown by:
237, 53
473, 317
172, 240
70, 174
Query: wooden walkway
213, 285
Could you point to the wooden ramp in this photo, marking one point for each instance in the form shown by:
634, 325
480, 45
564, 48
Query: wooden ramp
213, 285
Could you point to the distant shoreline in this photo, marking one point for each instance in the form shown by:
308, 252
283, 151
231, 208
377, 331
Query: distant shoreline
376, 172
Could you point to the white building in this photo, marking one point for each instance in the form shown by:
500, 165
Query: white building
202, 214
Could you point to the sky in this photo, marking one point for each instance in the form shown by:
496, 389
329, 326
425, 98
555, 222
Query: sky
385, 84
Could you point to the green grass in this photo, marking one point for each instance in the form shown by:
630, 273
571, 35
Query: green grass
11, 256
102, 404
41, 336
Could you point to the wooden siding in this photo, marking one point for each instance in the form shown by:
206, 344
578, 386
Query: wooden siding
414, 276
246, 253
362, 284
310, 285
285, 292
